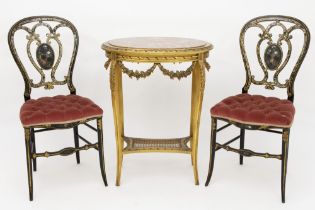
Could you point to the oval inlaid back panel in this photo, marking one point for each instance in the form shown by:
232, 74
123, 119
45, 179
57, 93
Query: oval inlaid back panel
45, 56
273, 56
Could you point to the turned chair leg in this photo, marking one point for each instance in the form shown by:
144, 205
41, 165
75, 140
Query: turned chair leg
33, 148
284, 162
242, 140
212, 148
27, 132
76, 143
101, 149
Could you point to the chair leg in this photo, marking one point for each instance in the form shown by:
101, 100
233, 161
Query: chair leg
101, 149
76, 143
33, 149
242, 140
284, 161
27, 132
212, 148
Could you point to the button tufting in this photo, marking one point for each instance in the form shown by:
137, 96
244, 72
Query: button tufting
58, 110
256, 110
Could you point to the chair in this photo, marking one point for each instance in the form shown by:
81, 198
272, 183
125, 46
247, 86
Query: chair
257, 112
58, 112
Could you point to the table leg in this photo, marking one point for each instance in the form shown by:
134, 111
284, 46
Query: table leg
117, 103
198, 83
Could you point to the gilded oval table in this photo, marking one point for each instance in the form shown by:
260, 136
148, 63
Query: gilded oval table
157, 50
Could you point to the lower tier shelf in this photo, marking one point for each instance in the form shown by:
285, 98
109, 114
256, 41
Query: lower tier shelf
174, 145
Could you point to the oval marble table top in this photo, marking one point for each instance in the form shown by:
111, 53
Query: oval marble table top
156, 49
156, 44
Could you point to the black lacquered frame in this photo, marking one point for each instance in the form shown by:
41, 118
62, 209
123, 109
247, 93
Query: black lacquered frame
30, 131
266, 65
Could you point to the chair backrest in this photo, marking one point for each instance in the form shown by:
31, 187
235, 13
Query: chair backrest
273, 58
45, 58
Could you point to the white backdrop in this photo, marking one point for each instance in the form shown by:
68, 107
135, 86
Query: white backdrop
156, 107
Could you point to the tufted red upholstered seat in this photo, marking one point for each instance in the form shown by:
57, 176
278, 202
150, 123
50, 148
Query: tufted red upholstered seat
58, 110
255, 110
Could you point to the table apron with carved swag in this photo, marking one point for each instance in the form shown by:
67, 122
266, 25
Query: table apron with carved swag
157, 50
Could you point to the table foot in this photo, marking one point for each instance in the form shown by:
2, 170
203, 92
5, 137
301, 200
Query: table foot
119, 167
